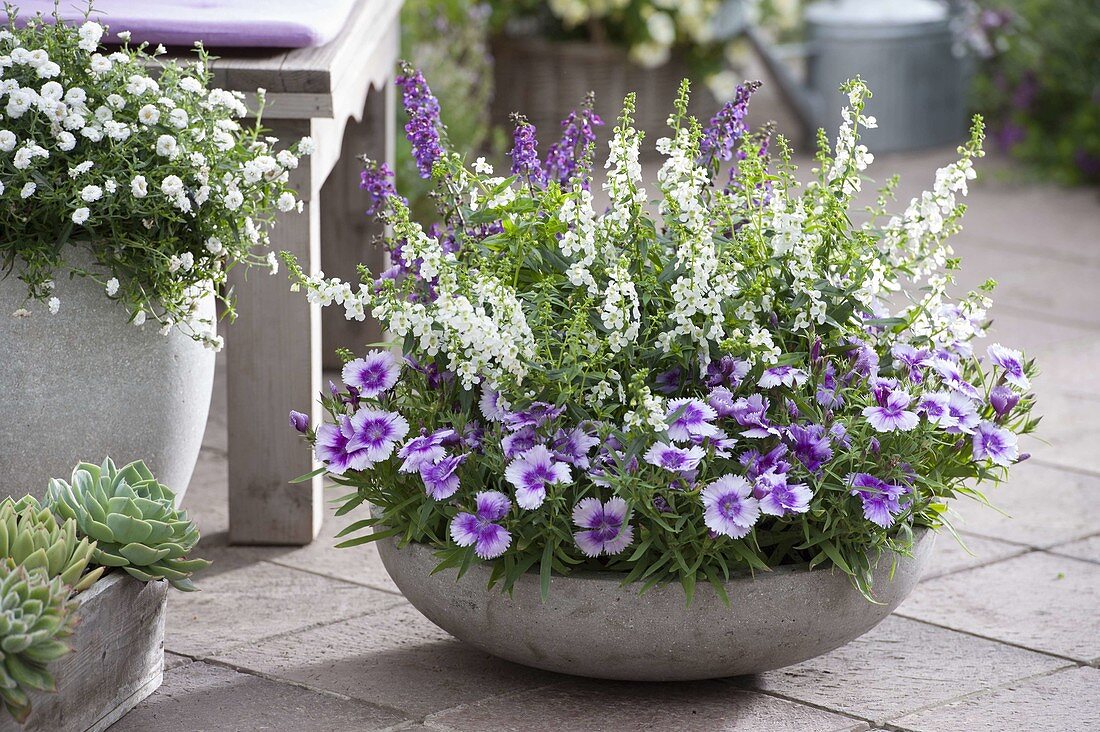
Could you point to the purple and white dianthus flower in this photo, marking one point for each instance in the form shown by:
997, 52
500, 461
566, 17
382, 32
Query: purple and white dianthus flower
1013, 364
424, 449
573, 446
729, 507
721, 401
757, 464
995, 444
493, 405
881, 500
787, 376
952, 377
520, 441
935, 407
299, 421
676, 459
690, 417
828, 394
720, 441
913, 359
752, 412
1001, 398
376, 432
373, 374
810, 444
727, 371
536, 415
480, 529
864, 357
441, 478
840, 433
332, 448
963, 412
531, 472
606, 526
892, 415
778, 497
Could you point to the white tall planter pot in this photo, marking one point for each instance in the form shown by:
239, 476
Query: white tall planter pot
84, 384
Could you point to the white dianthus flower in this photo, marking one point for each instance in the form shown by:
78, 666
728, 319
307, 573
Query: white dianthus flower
7, 140
98, 64
91, 193
112, 287
81, 215
172, 185
191, 85
178, 118
90, 33
28, 190
233, 200
139, 187
167, 146
286, 202
148, 115
307, 146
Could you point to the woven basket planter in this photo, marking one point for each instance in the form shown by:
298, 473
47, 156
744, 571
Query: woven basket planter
544, 80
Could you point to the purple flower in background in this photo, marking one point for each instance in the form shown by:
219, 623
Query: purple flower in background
892, 415
787, 376
472, 435
881, 388
1003, 400
606, 530
690, 417
728, 371
577, 138
995, 443
751, 412
519, 441
827, 394
949, 372
727, 127
423, 449
373, 374
299, 421
935, 407
721, 401
493, 405
524, 154
729, 507
913, 359
422, 129
573, 447
377, 180
676, 459
720, 441
778, 497
792, 408
757, 464
479, 529
963, 413
810, 444
1013, 364
332, 448
668, 382
865, 359
376, 432
536, 415
441, 479
840, 433
880, 499
531, 472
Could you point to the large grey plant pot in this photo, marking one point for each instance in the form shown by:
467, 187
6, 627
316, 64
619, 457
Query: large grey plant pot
592, 626
84, 384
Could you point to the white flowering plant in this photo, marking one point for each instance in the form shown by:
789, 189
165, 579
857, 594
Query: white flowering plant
138, 161
731, 377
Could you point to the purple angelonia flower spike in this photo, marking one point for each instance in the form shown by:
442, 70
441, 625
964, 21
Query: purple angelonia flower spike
727, 127
377, 180
606, 527
480, 529
524, 154
577, 138
422, 129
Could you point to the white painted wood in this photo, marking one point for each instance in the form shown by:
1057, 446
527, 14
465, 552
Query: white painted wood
116, 662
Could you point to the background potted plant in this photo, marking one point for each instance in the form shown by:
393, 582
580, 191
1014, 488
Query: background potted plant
128, 189
83, 582
744, 394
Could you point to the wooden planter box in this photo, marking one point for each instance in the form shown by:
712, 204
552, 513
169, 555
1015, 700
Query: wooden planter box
117, 659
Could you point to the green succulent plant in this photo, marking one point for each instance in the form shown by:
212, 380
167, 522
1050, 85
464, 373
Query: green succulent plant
133, 520
31, 537
36, 614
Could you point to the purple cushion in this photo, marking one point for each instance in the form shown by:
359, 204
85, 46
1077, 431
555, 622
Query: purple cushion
217, 23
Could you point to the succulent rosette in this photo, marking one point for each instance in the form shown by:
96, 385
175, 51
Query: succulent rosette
730, 378
31, 537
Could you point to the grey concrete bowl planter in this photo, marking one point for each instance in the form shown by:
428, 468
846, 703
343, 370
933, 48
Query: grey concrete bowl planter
117, 658
84, 384
592, 626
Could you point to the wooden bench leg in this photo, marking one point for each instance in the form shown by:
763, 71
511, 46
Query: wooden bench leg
274, 365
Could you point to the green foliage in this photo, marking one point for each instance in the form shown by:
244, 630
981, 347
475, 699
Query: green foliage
1041, 87
133, 520
31, 537
36, 615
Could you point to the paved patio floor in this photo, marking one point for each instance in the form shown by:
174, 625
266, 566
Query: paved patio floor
1005, 639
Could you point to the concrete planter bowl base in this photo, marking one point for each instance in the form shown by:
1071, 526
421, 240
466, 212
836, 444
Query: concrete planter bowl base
592, 626
117, 659
84, 384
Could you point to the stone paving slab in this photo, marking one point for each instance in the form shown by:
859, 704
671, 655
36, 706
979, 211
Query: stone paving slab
202, 697
1044, 506
1085, 549
1041, 601
582, 706
899, 667
1058, 702
395, 657
250, 600
951, 556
